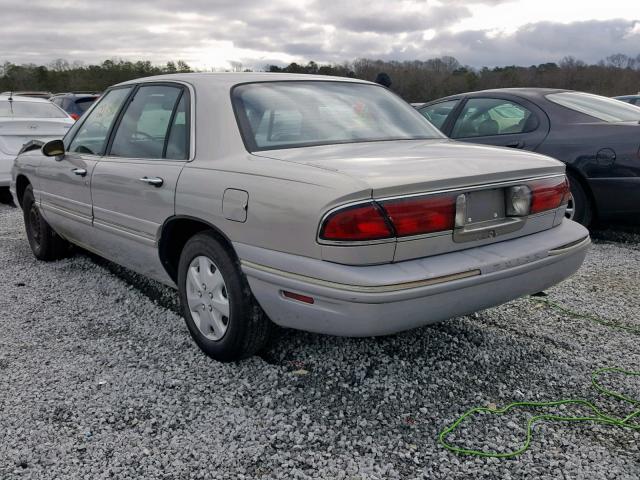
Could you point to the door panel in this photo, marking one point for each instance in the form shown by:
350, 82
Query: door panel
65, 181
129, 213
66, 195
133, 187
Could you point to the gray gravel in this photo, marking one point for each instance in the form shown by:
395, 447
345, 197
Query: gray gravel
99, 379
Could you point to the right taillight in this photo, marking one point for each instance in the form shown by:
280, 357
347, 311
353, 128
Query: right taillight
549, 193
358, 223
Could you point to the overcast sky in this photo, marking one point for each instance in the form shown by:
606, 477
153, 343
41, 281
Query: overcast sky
213, 33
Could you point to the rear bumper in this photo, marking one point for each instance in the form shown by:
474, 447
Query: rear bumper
384, 299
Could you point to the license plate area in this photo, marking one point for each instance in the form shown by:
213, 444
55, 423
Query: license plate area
484, 205
481, 215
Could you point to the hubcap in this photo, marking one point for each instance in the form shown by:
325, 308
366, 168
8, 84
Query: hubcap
34, 224
571, 208
207, 298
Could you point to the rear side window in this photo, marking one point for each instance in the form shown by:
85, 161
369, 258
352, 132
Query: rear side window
483, 117
439, 112
92, 134
145, 125
603, 108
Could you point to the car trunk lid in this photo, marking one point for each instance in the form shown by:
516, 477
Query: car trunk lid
14, 133
415, 166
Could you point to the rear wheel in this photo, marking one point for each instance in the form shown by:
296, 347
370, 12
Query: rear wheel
222, 315
44, 242
579, 207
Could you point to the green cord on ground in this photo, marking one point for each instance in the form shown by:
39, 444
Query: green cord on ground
586, 316
597, 416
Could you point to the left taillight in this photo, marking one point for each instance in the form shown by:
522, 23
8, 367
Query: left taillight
75, 116
420, 215
549, 193
357, 223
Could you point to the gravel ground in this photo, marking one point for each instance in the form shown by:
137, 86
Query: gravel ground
99, 379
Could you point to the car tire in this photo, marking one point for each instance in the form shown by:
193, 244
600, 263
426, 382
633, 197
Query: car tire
222, 316
45, 243
5, 197
579, 208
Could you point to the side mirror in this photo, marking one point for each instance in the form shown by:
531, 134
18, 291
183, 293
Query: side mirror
53, 148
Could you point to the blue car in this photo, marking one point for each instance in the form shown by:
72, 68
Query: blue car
75, 104
632, 99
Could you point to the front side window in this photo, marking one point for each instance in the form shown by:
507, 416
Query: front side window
603, 108
92, 135
27, 109
483, 117
439, 112
144, 127
290, 114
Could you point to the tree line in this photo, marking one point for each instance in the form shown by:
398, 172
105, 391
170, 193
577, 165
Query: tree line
415, 81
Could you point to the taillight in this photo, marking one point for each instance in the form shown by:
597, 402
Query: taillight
419, 215
75, 116
549, 193
358, 223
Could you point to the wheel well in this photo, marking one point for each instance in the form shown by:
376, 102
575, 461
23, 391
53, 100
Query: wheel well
176, 233
22, 183
575, 173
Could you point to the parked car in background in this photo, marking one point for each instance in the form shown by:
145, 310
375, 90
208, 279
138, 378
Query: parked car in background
632, 99
75, 103
597, 137
23, 119
320, 203
32, 94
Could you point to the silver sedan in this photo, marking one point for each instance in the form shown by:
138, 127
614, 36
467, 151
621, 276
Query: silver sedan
319, 203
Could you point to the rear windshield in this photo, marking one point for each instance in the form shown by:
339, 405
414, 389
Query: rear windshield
275, 115
603, 108
84, 103
18, 108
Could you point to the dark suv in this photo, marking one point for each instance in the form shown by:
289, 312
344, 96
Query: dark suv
75, 104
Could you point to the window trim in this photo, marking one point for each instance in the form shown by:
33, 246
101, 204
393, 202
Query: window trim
184, 89
504, 100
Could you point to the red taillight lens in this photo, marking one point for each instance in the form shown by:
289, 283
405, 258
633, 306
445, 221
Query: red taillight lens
75, 116
415, 216
362, 222
549, 193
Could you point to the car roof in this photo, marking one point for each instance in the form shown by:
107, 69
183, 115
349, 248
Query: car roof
525, 92
231, 78
18, 98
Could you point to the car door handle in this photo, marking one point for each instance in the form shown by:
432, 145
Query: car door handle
80, 171
155, 181
519, 144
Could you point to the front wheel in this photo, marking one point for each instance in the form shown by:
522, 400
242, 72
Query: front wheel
45, 243
221, 314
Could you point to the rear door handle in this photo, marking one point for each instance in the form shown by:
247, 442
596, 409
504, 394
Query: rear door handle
79, 171
155, 181
519, 144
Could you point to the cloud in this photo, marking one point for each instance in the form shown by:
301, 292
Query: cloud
209, 33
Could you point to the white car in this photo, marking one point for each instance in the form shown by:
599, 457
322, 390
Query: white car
23, 119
